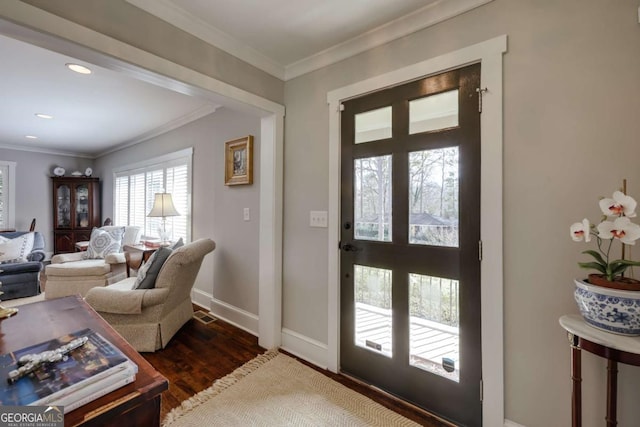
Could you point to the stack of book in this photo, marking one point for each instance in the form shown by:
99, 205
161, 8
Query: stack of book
69, 371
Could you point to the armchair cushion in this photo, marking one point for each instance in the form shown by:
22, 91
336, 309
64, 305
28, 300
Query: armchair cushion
119, 298
115, 258
104, 242
70, 257
147, 274
82, 268
16, 249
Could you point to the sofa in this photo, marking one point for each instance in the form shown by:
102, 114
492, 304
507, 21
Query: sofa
74, 273
22, 278
148, 317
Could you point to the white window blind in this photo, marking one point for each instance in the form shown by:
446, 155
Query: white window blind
135, 187
7, 194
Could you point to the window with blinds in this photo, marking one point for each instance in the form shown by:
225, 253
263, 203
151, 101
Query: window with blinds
135, 187
7, 184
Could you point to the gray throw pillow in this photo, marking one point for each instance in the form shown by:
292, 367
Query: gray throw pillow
148, 273
177, 244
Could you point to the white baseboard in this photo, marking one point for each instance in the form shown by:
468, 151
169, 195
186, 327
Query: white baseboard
203, 299
234, 315
305, 348
508, 423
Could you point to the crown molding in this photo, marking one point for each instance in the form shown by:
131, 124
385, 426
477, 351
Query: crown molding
432, 14
178, 17
46, 151
205, 110
435, 12
174, 124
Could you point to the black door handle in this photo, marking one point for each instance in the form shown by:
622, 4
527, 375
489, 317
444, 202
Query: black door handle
348, 247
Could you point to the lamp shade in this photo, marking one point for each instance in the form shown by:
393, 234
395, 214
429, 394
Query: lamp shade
163, 206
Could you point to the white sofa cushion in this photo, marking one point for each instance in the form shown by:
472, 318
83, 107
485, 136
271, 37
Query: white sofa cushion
17, 249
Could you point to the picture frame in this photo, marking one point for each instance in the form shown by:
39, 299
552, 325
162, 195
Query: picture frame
238, 161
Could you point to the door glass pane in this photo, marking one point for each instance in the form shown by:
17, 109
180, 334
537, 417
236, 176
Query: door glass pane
434, 325
373, 125
434, 112
372, 198
373, 329
433, 197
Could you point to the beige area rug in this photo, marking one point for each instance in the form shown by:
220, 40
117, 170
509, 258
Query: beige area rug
276, 390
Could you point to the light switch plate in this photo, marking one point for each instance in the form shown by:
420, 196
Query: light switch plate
246, 214
318, 219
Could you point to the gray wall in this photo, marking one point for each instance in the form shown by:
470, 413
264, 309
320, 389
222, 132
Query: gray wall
570, 135
571, 102
217, 210
33, 187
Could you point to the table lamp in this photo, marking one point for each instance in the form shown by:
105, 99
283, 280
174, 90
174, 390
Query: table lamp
163, 207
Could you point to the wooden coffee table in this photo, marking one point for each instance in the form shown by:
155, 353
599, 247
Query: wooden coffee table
136, 404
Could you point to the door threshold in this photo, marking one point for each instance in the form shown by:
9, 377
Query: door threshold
402, 402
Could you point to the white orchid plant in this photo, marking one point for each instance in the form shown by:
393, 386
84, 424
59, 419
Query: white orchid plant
615, 225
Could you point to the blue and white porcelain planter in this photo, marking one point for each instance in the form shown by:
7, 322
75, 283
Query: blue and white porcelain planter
611, 310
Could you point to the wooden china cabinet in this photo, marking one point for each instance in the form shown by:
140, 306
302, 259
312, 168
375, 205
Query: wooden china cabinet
76, 210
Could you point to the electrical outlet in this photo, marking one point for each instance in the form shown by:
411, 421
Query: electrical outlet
318, 219
246, 214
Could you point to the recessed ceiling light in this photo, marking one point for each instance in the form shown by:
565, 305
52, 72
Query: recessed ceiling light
44, 116
78, 68
31, 137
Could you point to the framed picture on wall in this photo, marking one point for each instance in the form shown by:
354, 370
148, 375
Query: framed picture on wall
238, 161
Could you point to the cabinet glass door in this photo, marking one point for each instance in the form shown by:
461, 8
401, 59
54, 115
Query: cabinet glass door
63, 206
82, 205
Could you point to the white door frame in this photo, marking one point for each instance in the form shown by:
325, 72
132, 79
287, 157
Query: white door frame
489, 53
99, 49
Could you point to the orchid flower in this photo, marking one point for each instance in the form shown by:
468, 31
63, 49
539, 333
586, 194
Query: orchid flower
620, 205
622, 228
580, 231
618, 227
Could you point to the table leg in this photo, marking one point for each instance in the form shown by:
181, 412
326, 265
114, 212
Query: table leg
576, 381
612, 393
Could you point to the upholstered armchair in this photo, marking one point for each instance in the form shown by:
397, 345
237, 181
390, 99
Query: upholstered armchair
75, 273
149, 318
21, 278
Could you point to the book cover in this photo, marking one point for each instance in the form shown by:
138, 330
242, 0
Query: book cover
84, 388
90, 362
95, 390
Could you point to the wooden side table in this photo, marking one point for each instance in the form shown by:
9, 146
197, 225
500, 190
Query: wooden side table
615, 348
136, 254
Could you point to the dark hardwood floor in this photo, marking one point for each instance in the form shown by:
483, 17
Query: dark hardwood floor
199, 354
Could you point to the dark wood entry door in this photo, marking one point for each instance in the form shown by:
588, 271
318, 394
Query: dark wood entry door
410, 236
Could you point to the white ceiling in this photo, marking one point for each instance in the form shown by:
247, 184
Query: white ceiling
106, 110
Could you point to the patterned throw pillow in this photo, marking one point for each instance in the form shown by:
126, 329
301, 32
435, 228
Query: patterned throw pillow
16, 250
148, 273
103, 243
